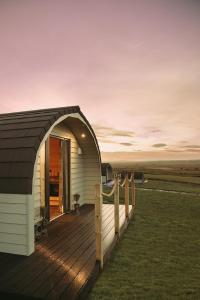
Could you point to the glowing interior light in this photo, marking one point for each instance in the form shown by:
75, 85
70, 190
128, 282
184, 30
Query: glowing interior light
83, 135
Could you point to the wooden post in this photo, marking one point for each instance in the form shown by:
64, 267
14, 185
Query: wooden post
98, 225
116, 205
133, 192
126, 196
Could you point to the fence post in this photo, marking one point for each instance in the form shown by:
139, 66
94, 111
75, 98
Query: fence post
127, 196
116, 205
133, 191
98, 225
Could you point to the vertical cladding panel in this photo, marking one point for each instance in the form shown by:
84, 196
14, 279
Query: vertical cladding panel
37, 190
92, 174
16, 224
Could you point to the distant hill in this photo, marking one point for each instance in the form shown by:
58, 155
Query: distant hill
182, 167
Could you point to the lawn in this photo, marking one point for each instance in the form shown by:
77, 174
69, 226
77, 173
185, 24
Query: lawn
171, 186
174, 178
158, 256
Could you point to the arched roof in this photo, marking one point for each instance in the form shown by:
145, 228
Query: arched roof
21, 134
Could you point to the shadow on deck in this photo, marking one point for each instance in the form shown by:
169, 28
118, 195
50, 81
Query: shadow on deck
64, 263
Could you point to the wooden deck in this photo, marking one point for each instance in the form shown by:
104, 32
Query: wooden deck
64, 262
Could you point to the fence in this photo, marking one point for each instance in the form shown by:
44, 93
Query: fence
128, 184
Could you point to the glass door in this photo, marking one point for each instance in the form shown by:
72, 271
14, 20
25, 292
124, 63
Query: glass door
55, 178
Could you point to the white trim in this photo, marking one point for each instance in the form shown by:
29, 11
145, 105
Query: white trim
74, 115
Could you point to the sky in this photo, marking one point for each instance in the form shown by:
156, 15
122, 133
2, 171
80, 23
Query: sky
133, 66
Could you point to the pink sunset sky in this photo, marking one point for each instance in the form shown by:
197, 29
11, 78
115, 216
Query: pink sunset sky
133, 66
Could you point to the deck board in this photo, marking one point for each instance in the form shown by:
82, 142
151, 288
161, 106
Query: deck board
53, 243
58, 262
64, 261
31, 270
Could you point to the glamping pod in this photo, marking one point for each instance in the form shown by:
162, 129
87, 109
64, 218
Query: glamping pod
48, 159
139, 177
106, 172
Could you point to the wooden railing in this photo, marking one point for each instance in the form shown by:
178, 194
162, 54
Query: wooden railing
128, 184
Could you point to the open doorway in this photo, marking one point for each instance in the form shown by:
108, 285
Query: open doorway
55, 178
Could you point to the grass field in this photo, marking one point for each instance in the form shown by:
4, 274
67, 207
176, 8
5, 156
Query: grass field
174, 178
158, 256
189, 168
180, 176
171, 186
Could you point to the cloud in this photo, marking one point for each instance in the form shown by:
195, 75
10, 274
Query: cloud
122, 133
158, 102
174, 150
102, 131
156, 131
159, 145
193, 150
152, 129
183, 142
192, 146
108, 141
184, 150
126, 144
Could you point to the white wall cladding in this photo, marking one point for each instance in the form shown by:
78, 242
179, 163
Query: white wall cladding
37, 191
16, 224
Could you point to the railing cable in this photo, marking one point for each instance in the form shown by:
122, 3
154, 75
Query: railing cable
112, 191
